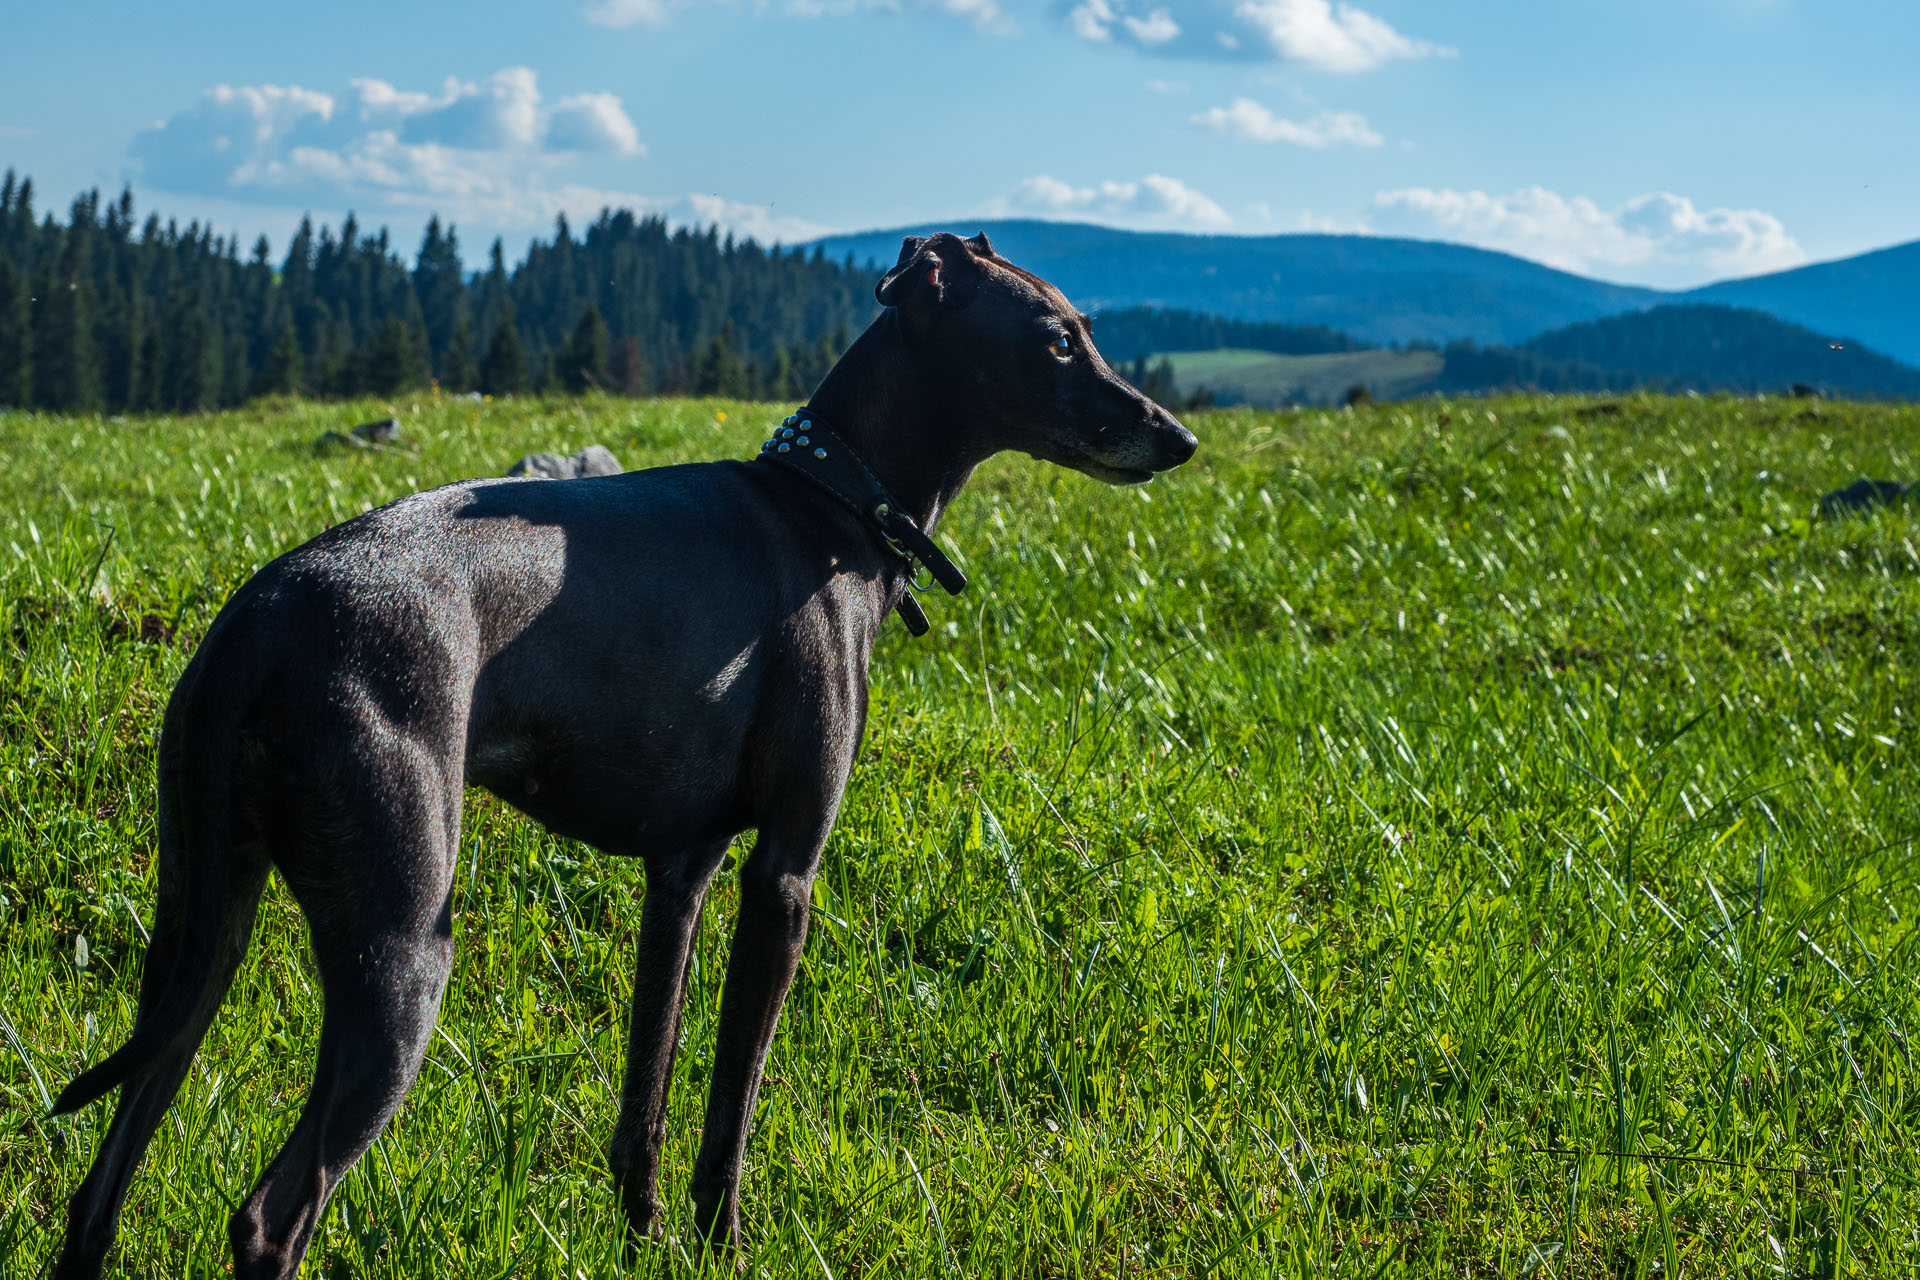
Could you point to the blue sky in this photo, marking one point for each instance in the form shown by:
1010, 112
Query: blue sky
1663, 143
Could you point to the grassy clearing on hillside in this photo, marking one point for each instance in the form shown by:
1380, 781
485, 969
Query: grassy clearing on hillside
1261, 378
1327, 860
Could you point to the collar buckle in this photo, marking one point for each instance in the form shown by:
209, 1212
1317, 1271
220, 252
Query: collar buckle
806, 444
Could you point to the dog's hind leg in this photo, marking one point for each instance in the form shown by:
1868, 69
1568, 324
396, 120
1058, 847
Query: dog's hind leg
93, 1214
668, 920
379, 916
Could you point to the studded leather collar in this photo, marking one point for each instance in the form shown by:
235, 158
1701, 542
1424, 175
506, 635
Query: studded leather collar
806, 444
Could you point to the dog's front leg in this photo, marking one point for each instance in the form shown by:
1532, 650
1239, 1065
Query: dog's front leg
668, 920
775, 887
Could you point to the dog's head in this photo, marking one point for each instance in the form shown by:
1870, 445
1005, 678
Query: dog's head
1016, 363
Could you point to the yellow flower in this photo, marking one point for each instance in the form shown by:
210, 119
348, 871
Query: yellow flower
721, 416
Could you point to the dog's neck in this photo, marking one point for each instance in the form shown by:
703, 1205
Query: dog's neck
908, 436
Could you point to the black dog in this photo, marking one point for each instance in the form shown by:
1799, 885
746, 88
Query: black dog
651, 662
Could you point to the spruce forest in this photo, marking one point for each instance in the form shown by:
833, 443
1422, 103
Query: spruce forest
107, 312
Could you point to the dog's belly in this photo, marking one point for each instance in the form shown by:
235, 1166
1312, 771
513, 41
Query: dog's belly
646, 807
634, 771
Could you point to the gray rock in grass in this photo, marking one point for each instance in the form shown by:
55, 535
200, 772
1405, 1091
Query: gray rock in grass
594, 460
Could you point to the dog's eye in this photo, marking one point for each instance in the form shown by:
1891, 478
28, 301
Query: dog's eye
1061, 347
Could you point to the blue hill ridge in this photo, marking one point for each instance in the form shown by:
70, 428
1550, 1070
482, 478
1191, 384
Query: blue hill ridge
1388, 290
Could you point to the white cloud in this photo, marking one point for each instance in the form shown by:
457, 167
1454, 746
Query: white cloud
296, 143
1250, 120
592, 122
625, 13
753, 220
489, 153
1156, 28
1166, 86
231, 131
1153, 201
1317, 34
1656, 238
986, 15
501, 111
1312, 33
1092, 21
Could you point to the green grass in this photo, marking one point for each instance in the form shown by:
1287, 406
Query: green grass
1324, 861
1261, 378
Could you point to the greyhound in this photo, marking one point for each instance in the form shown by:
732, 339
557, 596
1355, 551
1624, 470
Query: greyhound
652, 663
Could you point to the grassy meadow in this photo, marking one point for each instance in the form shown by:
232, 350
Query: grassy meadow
1264, 378
1436, 840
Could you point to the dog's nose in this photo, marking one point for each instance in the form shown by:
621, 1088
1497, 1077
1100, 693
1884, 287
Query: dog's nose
1178, 445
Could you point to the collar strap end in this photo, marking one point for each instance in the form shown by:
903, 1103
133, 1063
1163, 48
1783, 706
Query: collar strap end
913, 543
912, 614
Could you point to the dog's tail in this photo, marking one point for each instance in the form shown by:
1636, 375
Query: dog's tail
195, 854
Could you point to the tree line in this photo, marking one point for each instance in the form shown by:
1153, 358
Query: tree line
104, 312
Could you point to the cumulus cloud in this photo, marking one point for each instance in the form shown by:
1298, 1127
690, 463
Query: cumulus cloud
986, 15
300, 143
1658, 238
625, 13
501, 111
1250, 120
592, 122
1153, 201
1313, 33
1343, 39
490, 153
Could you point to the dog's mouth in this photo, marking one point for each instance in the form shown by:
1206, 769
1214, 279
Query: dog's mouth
1105, 472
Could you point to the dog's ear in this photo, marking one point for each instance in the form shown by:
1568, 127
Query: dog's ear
981, 245
887, 292
933, 271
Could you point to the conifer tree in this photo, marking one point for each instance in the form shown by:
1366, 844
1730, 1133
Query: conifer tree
780, 379
280, 376
586, 360
439, 284
190, 361
503, 371
118, 332
718, 370
456, 370
337, 370
66, 375
390, 358
627, 368
16, 332
1159, 384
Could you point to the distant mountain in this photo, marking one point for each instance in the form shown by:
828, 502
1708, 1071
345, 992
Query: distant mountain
1727, 349
1130, 332
1874, 297
1379, 289
1672, 348
1386, 290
